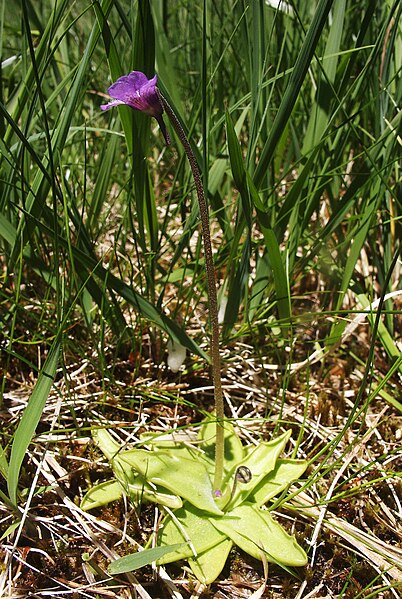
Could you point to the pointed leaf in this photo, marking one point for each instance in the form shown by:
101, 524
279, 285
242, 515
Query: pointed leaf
255, 531
3, 463
260, 460
286, 471
208, 565
188, 525
279, 273
238, 168
320, 111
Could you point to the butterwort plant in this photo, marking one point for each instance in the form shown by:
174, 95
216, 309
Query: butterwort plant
139, 92
214, 491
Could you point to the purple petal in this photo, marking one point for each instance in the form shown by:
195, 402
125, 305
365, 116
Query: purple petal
147, 98
127, 86
111, 104
138, 92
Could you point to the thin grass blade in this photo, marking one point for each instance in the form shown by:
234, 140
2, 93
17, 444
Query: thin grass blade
293, 89
30, 418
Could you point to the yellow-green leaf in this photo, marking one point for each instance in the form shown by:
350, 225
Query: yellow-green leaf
188, 524
256, 532
188, 478
208, 565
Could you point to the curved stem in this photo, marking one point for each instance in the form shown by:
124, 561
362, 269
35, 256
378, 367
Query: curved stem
212, 295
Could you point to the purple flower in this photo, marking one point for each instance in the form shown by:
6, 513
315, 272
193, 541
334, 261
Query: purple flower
141, 93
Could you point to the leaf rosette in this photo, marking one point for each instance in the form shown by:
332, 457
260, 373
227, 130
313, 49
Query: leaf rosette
201, 525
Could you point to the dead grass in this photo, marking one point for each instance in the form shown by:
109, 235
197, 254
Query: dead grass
347, 515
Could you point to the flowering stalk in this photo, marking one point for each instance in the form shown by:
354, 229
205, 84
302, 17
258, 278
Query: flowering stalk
212, 296
140, 93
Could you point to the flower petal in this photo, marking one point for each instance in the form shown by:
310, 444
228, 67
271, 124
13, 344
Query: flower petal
127, 85
138, 92
111, 104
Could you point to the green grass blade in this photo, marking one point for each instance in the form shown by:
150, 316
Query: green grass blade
238, 168
41, 185
280, 278
30, 418
293, 88
102, 184
134, 561
41, 54
386, 339
237, 287
321, 113
3, 464
87, 265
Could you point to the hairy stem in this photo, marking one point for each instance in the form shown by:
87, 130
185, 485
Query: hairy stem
212, 296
